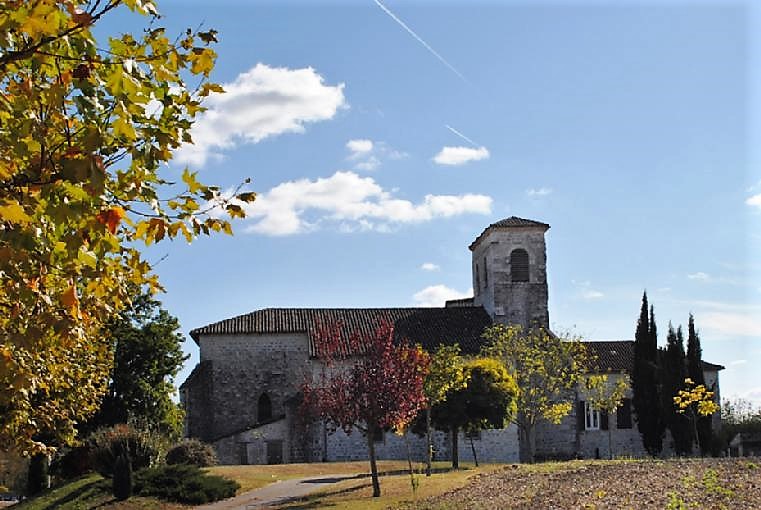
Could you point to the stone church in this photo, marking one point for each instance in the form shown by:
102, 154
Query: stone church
242, 397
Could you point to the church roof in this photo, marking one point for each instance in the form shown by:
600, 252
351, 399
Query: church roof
511, 222
429, 327
618, 356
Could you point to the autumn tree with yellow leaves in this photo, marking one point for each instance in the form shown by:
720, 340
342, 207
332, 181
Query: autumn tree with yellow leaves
86, 127
546, 368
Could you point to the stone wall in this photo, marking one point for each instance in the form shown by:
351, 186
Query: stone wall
499, 445
242, 368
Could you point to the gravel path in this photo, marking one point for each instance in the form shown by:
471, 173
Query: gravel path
276, 493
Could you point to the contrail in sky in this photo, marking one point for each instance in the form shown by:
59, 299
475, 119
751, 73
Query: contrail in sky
453, 130
420, 40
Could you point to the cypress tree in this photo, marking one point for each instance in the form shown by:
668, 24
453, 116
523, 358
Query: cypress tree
645, 382
674, 372
695, 372
122, 482
37, 476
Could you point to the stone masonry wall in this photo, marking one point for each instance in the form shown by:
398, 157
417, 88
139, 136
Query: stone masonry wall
245, 367
499, 445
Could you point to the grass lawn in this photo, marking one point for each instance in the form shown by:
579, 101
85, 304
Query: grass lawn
396, 489
88, 493
253, 477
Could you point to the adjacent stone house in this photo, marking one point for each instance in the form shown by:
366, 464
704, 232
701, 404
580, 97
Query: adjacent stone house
243, 395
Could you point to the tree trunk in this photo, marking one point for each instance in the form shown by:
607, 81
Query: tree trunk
527, 436
413, 482
429, 442
455, 450
610, 443
473, 449
373, 464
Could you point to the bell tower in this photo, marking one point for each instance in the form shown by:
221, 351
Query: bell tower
510, 272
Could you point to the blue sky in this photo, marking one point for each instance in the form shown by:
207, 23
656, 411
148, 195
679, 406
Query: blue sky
380, 152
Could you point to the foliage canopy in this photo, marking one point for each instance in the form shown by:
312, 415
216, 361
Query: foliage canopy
546, 367
86, 128
369, 383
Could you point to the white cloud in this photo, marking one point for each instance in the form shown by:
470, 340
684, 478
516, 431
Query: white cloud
430, 266
732, 323
368, 165
437, 295
262, 102
699, 276
541, 192
359, 146
586, 291
367, 155
352, 203
460, 155
738, 362
754, 201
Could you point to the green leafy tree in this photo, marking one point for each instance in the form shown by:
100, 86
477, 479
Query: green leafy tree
645, 389
86, 130
446, 374
607, 396
147, 356
673, 374
486, 400
547, 369
704, 425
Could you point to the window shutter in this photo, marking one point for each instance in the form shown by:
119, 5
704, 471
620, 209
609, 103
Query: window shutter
580, 415
604, 420
519, 265
624, 414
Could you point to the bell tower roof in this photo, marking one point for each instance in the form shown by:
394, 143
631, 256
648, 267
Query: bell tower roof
509, 223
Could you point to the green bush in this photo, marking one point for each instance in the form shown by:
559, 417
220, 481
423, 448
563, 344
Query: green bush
183, 483
192, 451
122, 487
143, 448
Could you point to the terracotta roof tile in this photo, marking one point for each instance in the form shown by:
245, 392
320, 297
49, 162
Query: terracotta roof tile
511, 222
429, 327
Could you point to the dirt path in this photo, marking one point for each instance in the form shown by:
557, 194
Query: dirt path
276, 493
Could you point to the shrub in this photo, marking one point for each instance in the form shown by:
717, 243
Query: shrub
183, 483
122, 487
143, 448
192, 451
71, 463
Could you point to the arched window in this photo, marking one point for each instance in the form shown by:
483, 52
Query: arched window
264, 408
519, 265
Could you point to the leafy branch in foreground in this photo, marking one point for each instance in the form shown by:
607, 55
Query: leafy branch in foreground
85, 135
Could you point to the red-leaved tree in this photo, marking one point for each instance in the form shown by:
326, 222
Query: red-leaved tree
367, 382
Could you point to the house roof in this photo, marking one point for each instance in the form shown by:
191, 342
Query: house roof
429, 327
511, 222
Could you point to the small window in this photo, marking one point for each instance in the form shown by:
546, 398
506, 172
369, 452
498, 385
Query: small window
478, 280
624, 414
264, 408
519, 265
591, 417
486, 274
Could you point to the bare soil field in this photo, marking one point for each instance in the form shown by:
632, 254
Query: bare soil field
647, 484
